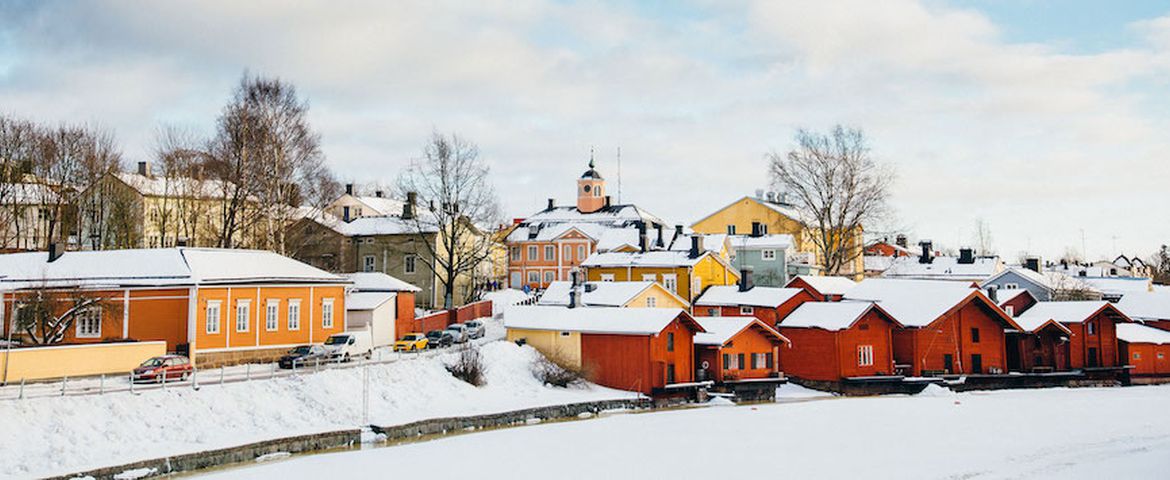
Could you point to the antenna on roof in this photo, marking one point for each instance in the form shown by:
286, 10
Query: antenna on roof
591, 165
619, 161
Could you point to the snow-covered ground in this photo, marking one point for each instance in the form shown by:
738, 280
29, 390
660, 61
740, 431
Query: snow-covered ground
1025, 434
57, 435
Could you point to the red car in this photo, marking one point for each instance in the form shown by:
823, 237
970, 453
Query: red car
172, 367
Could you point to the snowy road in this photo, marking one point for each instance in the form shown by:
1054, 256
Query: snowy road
1028, 434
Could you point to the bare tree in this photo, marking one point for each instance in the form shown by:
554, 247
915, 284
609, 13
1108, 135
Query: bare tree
837, 187
982, 237
1160, 266
458, 207
44, 315
19, 141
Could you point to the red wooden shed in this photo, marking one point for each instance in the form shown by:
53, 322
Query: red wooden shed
769, 304
1147, 349
837, 340
737, 348
1092, 327
826, 289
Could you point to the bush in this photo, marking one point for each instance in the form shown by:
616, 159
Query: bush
468, 365
555, 373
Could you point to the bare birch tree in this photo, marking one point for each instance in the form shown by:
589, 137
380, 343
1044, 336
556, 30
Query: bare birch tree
982, 237
838, 188
457, 206
46, 314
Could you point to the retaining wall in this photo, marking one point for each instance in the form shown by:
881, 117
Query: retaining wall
439, 426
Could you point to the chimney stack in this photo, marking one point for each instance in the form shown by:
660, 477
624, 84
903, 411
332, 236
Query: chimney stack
966, 256
181, 242
642, 240
378, 193
696, 245
408, 207
756, 230
993, 294
552, 203
1032, 263
345, 214
745, 278
660, 243
349, 189
144, 169
55, 251
927, 252
900, 240
574, 288
608, 201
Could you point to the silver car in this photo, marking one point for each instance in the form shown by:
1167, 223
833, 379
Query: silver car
458, 332
475, 329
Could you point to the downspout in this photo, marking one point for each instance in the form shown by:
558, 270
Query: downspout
259, 303
227, 326
126, 313
8, 328
312, 301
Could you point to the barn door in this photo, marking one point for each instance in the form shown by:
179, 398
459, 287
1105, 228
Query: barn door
1094, 361
949, 363
976, 363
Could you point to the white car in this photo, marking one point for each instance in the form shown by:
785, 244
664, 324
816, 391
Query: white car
349, 345
458, 332
475, 329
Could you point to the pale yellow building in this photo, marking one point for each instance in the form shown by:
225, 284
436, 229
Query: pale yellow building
636, 294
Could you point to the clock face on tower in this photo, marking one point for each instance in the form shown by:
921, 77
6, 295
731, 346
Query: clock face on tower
588, 188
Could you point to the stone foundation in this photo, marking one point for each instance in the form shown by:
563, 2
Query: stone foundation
238, 357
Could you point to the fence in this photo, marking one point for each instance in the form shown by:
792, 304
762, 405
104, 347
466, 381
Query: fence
440, 320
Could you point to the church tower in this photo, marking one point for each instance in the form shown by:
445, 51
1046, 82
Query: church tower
590, 190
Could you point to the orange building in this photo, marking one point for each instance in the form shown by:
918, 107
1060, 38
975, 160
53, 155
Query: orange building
769, 304
833, 341
218, 306
1091, 341
737, 348
823, 289
1147, 349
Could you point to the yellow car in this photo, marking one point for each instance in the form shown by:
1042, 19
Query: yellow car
412, 342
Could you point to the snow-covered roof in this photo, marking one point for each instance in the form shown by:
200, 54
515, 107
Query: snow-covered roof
1063, 312
1118, 285
383, 205
363, 301
914, 303
1138, 333
28, 194
943, 268
827, 315
611, 214
1005, 295
596, 294
785, 209
712, 242
877, 263
719, 330
1146, 305
748, 242
731, 296
828, 285
155, 267
160, 186
617, 321
1040, 280
379, 282
653, 258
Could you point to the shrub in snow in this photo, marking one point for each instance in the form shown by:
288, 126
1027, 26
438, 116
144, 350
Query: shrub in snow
555, 373
467, 365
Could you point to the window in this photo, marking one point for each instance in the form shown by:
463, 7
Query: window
368, 263
649, 277
566, 334
747, 310
651, 302
768, 254
1010, 310
271, 314
212, 318
550, 253
974, 335
670, 341
1011, 286
1161, 355
327, 313
1092, 328
732, 362
670, 281
607, 277
580, 252
243, 315
294, 314
515, 254
568, 253
761, 360
597, 192
532, 253
731, 229
763, 229
89, 323
865, 355
408, 263
533, 277
713, 312
1137, 356
549, 276
670, 373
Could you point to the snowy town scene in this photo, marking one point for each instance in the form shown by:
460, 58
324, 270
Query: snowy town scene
562, 239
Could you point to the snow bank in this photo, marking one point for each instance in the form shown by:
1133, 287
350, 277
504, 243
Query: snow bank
792, 391
936, 390
59, 435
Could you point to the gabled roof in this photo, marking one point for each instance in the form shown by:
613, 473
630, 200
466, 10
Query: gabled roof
831, 316
616, 321
382, 205
720, 330
379, 282
1146, 305
1138, 333
943, 268
731, 296
158, 186
1005, 295
364, 301
1119, 285
918, 303
29, 194
1028, 275
1065, 312
155, 267
827, 285
748, 242
653, 258
789, 211
601, 294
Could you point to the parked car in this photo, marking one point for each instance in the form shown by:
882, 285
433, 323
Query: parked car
475, 329
439, 339
412, 342
170, 367
458, 332
344, 346
305, 355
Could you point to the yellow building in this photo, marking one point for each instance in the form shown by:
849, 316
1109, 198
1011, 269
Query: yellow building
684, 273
750, 215
639, 294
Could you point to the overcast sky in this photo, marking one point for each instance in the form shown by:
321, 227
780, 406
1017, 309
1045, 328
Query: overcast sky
1045, 118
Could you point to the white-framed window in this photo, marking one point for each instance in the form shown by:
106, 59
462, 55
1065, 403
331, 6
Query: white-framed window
580, 252
731, 229
243, 315
713, 312
1137, 355
1091, 327
768, 254
746, 310
1010, 310
670, 281
368, 263
568, 253
294, 314
550, 253
597, 191
515, 254
370, 241
212, 317
732, 361
761, 360
549, 276
696, 286
532, 253
865, 355
272, 315
1011, 286
651, 302
763, 229
327, 313
649, 277
1161, 355
607, 277
533, 276
409, 263
89, 323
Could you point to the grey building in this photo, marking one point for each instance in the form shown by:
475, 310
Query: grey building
765, 254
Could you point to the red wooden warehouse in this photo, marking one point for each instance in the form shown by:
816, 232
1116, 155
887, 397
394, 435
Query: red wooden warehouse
838, 340
1147, 349
769, 304
1092, 333
949, 327
826, 289
737, 348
